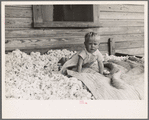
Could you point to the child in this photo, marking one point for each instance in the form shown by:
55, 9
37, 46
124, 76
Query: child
89, 57
91, 54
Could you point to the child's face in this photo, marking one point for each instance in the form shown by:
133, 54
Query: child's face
91, 45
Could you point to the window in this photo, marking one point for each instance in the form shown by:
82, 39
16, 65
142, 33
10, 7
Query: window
66, 15
82, 13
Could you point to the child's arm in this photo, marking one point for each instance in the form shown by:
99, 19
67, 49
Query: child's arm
101, 67
79, 65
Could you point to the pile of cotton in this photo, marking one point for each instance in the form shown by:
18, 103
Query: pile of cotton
36, 77
123, 58
112, 57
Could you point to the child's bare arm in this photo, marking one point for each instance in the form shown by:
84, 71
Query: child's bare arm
101, 67
79, 65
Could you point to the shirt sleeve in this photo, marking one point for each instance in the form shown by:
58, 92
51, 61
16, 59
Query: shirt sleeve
82, 54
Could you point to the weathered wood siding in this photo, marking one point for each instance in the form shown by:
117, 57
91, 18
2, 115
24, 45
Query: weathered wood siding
123, 23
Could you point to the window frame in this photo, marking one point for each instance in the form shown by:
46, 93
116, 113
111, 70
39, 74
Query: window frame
41, 18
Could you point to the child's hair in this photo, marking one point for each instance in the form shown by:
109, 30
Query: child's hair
92, 35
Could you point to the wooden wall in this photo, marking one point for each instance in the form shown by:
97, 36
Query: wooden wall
123, 23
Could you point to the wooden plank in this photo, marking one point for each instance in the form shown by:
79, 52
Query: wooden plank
18, 22
106, 23
120, 30
37, 14
22, 33
67, 24
123, 15
27, 22
46, 40
125, 37
18, 13
129, 44
122, 7
104, 39
18, 6
59, 46
43, 32
96, 13
134, 51
65, 39
20, 44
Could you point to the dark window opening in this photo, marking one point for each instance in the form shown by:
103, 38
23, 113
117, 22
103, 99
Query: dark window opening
80, 13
